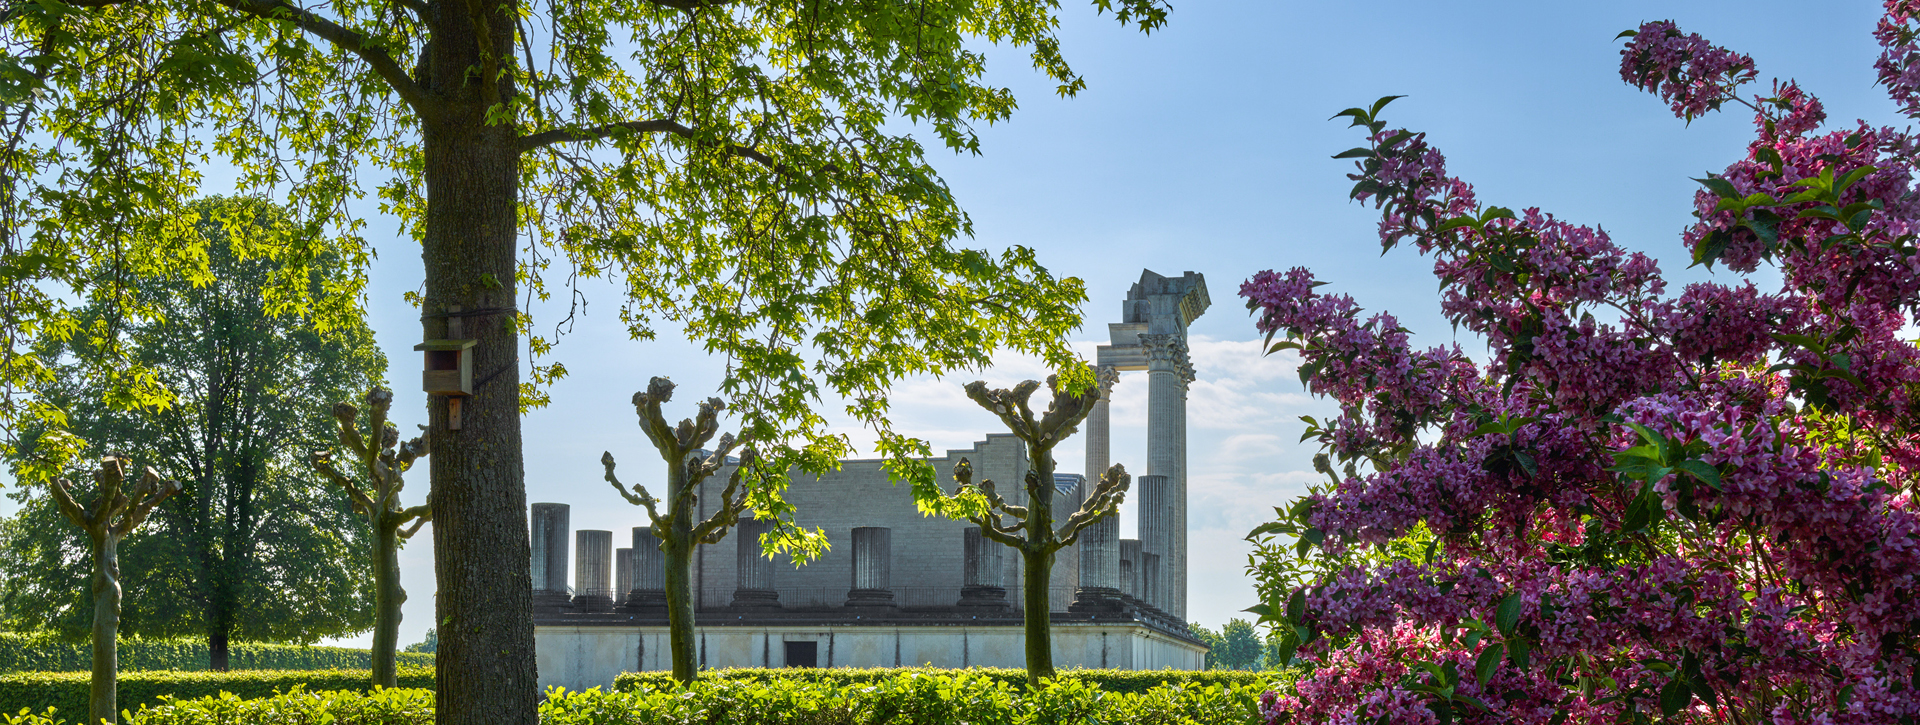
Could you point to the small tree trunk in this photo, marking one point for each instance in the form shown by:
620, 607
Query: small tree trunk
679, 559
217, 651
387, 598
103, 700
1039, 619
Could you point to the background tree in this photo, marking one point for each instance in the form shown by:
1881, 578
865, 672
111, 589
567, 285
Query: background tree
1031, 530
253, 547
740, 165
384, 462
1239, 647
1212, 640
1695, 509
676, 528
116, 510
428, 645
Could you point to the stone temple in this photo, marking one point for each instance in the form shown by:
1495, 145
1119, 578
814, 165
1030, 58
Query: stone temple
898, 588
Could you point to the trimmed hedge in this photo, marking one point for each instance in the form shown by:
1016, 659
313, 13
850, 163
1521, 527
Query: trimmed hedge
30, 653
66, 692
1118, 681
913, 697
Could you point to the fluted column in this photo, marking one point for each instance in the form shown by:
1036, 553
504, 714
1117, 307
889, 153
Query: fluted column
872, 567
550, 524
1156, 537
1099, 547
982, 575
1167, 367
755, 589
1130, 569
622, 574
593, 567
649, 573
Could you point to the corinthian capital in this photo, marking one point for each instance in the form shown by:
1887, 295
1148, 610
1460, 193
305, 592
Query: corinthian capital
1165, 352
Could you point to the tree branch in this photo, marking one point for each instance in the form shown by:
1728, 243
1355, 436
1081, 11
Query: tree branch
562, 135
322, 461
67, 505
345, 39
639, 497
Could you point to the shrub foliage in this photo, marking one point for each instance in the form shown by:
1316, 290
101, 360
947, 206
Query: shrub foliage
735, 697
66, 692
29, 653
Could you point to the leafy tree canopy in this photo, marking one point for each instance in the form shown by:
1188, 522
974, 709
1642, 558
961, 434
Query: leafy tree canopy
254, 547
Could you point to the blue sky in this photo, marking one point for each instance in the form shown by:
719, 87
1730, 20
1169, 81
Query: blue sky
1205, 147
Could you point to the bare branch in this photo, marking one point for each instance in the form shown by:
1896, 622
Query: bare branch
992, 530
1105, 501
549, 137
420, 515
322, 461
345, 39
639, 496
73, 511
151, 492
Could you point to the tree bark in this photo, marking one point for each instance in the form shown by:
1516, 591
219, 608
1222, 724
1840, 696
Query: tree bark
1039, 617
1038, 565
103, 698
217, 651
679, 560
485, 669
387, 601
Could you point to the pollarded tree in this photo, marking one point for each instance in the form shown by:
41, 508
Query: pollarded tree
117, 509
675, 526
383, 461
1643, 508
1030, 529
738, 165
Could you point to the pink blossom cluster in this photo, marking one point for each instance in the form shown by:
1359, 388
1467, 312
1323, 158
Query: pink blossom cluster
1686, 71
1698, 507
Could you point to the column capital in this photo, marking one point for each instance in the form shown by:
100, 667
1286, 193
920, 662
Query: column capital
1165, 352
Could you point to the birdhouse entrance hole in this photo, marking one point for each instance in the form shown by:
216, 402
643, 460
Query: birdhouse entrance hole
443, 360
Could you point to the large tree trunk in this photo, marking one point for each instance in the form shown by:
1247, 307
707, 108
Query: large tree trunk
217, 650
387, 599
103, 699
485, 669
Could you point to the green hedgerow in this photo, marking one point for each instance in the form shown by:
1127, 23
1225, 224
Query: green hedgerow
40, 653
66, 692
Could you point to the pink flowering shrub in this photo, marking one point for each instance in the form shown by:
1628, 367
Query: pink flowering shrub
1643, 507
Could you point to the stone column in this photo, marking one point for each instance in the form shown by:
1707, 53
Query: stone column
1130, 569
550, 523
1178, 566
1156, 536
592, 585
872, 567
755, 589
649, 573
1099, 547
982, 576
622, 574
1166, 404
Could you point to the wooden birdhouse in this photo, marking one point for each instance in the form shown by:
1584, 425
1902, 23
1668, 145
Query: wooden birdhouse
449, 367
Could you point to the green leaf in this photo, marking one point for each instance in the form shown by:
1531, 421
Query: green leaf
1674, 697
1700, 470
1297, 606
1720, 187
1507, 615
1488, 662
1355, 153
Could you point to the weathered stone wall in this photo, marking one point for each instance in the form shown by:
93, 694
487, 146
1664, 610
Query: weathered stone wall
578, 658
927, 551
